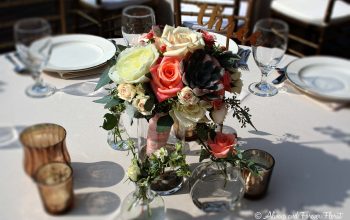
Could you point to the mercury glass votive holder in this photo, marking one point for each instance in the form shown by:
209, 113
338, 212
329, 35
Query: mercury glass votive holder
256, 185
43, 143
55, 184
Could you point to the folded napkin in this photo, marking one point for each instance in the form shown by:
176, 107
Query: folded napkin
244, 54
82, 73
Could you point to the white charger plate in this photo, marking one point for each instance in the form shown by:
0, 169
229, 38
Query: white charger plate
76, 52
321, 76
221, 39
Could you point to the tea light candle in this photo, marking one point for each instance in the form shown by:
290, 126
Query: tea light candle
55, 184
256, 186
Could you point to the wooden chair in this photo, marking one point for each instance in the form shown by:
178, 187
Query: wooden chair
104, 14
10, 11
310, 21
215, 16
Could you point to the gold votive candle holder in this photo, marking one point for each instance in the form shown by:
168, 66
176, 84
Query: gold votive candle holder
55, 185
43, 143
256, 185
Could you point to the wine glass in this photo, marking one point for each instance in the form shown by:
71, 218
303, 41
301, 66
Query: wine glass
33, 45
136, 20
268, 50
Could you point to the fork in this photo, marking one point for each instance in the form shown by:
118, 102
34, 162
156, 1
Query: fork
281, 77
242, 63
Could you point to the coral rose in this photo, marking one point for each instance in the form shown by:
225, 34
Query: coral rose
166, 78
222, 144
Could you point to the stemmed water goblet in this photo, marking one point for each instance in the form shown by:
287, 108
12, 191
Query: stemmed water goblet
136, 20
33, 45
268, 50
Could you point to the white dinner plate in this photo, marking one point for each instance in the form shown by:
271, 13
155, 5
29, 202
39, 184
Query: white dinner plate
76, 52
221, 39
321, 76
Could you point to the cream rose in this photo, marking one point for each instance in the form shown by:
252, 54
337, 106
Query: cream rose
126, 91
187, 97
133, 64
188, 116
139, 103
181, 40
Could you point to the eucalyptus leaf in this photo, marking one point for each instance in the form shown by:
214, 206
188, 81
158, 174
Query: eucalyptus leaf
113, 102
130, 111
104, 100
120, 48
104, 79
109, 122
149, 104
204, 155
164, 123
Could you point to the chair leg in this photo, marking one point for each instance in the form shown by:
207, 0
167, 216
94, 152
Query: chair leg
321, 41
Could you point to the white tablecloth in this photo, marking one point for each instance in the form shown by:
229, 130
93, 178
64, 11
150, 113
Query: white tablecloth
310, 143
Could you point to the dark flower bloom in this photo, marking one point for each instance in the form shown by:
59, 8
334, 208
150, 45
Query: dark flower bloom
203, 74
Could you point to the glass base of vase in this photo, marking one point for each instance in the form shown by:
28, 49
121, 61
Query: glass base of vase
212, 191
168, 184
119, 145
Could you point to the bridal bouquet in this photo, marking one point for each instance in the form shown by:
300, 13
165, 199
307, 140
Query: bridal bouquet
175, 75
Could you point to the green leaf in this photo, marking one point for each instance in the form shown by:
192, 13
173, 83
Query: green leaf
104, 79
104, 100
113, 102
204, 155
149, 104
212, 134
109, 122
164, 123
120, 48
148, 75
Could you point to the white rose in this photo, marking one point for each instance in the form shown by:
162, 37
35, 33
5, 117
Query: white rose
133, 64
134, 172
187, 97
188, 116
126, 91
181, 40
139, 103
219, 115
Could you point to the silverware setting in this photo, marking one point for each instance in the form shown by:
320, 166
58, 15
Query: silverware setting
242, 63
281, 77
19, 67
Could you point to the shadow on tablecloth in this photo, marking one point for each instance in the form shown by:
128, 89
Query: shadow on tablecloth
95, 203
98, 174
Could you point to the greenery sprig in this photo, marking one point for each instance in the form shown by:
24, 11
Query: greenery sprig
239, 112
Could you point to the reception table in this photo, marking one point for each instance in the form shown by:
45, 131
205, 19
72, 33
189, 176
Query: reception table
309, 140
